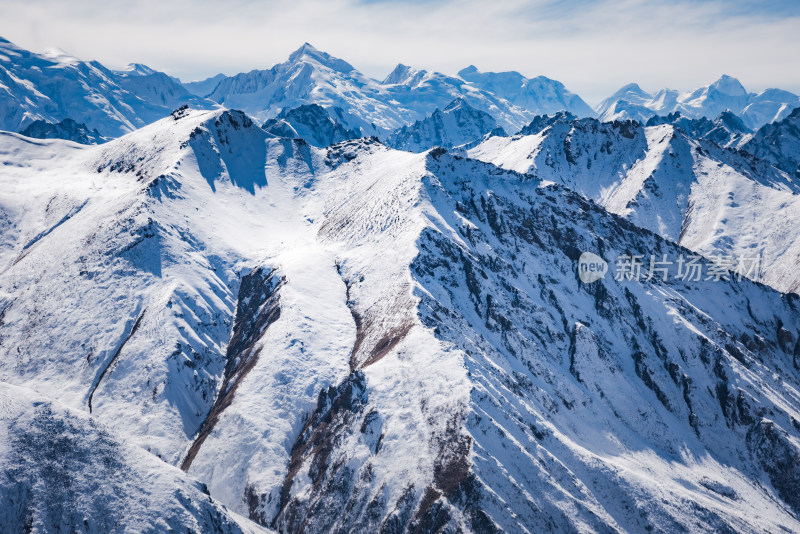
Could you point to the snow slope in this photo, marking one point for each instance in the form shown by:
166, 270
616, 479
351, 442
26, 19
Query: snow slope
457, 124
363, 339
64, 471
204, 87
54, 86
714, 201
725, 94
539, 95
311, 76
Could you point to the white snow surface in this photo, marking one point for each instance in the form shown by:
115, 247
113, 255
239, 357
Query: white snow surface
724, 94
420, 353
65, 471
55, 85
716, 202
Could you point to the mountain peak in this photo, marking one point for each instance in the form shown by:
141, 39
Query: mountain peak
731, 121
457, 104
632, 88
136, 69
472, 69
308, 52
728, 85
403, 74
61, 56
398, 74
307, 48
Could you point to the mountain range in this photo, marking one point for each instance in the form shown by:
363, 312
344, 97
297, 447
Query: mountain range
363, 306
54, 86
725, 94
357, 338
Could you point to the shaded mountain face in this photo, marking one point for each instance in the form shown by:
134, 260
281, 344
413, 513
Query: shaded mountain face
539, 95
725, 94
779, 143
715, 201
203, 87
727, 130
312, 123
64, 471
67, 129
458, 124
540, 122
403, 337
55, 86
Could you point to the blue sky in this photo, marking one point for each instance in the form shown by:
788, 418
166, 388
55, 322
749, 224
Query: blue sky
592, 46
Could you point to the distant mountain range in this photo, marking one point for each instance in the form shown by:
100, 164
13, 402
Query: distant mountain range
54, 86
725, 94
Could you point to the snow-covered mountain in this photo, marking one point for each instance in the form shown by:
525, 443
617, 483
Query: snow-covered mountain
63, 471
55, 86
779, 144
539, 95
67, 129
715, 201
457, 124
725, 94
204, 87
727, 130
361, 339
311, 76
312, 122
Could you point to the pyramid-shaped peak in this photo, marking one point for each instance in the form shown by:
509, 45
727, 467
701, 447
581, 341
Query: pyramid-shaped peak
398, 74
731, 121
472, 69
308, 52
403, 74
306, 48
632, 88
728, 85
458, 103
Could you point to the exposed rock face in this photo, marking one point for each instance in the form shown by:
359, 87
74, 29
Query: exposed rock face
358, 338
458, 124
62, 470
312, 123
779, 144
67, 129
675, 178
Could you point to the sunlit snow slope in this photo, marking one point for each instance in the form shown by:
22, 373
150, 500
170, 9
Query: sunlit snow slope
359, 339
718, 202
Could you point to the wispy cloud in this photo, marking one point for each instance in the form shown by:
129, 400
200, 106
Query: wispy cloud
593, 46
